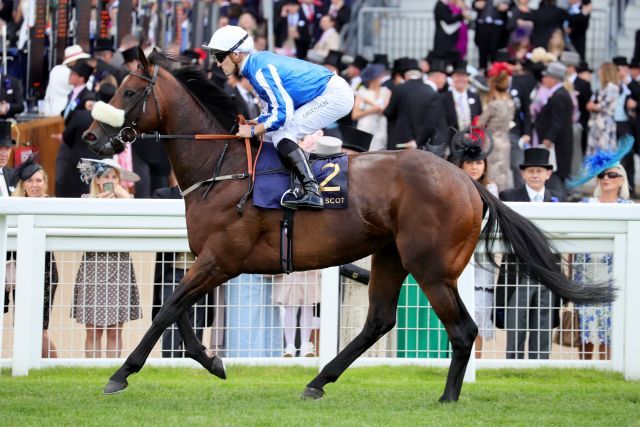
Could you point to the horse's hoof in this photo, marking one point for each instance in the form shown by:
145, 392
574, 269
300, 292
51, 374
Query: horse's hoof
217, 368
311, 393
114, 387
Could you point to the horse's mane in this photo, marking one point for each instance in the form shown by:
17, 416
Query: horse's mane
211, 96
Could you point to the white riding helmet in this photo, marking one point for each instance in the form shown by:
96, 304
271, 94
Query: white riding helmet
230, 39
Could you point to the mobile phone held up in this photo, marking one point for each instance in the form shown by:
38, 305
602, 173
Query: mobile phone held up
108, 187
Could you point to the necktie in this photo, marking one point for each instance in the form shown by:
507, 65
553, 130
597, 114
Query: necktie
537, 198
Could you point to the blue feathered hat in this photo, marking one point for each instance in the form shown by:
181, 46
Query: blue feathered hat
600, 161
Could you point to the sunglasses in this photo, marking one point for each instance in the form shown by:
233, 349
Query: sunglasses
221, 55
612, 175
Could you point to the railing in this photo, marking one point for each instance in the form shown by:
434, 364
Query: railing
67, 228
402, 32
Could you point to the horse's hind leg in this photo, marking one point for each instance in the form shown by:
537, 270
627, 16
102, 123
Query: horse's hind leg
196, 351
462, 330
387, 275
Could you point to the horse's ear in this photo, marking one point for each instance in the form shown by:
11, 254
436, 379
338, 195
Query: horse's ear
142, 59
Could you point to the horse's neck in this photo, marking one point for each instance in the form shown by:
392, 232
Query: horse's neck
195, 160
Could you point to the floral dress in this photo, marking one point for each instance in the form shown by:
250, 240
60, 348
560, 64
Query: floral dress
595, 320
602, 125
497, 119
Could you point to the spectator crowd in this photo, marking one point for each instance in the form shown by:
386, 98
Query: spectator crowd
532, 97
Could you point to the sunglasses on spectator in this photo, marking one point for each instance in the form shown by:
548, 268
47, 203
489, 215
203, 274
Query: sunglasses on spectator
612, 175
221, 55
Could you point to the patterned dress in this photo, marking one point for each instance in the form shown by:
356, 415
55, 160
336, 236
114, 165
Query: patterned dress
105, 292
595, 320
602, 125
497, 119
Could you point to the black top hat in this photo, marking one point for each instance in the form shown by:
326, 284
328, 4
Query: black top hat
381, 58
538, 157
25, 170
334, 58
5, 134
503, 55
584, 66
397, 65
407, 64
460, 67
103, 44
620, 61
360, 62
438, 66
431, 56
83, 69
356, 139
130, 54
635, 63
106, 92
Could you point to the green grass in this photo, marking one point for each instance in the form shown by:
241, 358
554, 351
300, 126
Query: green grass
363, 396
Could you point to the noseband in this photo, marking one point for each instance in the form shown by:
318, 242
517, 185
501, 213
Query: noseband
127, 134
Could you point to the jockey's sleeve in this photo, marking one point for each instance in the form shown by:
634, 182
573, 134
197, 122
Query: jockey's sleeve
279, 104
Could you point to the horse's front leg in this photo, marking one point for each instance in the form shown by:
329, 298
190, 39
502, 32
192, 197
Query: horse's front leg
201, 278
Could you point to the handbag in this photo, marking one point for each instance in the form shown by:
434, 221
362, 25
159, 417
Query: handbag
568, 334
10, 276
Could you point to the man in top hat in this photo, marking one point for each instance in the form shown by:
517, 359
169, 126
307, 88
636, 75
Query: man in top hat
56, 96
415, 114
11, 96
103, 53
583, 88
353, 71
6, 144
460, 104
130, 59
78, 78
554, 125
299, 98
437, 77
626, 104
529, 306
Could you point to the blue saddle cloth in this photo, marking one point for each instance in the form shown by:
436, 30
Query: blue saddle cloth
273, 179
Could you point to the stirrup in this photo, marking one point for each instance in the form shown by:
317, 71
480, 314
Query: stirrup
295, 193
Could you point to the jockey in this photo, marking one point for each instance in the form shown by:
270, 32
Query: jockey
298, 98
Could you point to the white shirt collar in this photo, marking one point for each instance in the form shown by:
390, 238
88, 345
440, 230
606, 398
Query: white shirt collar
432, 84
572, 77
532, 193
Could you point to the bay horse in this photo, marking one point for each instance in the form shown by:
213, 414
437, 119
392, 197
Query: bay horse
413, 211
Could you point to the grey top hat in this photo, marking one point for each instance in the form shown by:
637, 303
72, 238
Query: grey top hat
556, 70
570, 58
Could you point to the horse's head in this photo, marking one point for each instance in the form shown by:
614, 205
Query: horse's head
134, 108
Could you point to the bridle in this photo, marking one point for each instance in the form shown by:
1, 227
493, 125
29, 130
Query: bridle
127, 134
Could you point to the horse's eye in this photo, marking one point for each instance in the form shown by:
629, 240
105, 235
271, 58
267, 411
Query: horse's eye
129, 93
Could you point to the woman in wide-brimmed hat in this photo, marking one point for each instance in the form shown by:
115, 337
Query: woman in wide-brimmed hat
105, 294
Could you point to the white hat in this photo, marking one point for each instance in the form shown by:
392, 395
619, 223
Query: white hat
90, 168
73, 53
328, 145
230, 38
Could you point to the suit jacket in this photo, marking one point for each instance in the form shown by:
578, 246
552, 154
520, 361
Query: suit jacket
584, 95
84, 95
68, 183
475, 108
579, 23
546, 19
521, 88
508, 277
555, 124
11, 92
303, 43
415, 112
8, 177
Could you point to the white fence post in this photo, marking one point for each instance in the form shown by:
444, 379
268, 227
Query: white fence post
329, 315
620, 262
466, 290
3, 266
27, 337
631, 299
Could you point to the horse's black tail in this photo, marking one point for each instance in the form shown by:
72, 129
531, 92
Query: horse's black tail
530, 247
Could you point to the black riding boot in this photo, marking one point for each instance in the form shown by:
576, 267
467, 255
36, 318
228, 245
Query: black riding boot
295, 160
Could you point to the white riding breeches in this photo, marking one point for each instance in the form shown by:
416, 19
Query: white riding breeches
334, 103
